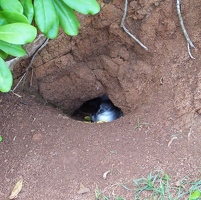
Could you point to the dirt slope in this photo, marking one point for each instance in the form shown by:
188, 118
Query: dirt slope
158, 90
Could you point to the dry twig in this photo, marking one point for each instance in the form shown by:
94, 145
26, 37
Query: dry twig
23, 78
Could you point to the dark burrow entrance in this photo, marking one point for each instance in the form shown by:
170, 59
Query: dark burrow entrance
100, 109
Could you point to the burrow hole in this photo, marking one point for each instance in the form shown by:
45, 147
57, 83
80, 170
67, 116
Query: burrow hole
100, 109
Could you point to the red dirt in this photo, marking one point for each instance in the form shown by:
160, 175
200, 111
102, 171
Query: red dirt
55, 154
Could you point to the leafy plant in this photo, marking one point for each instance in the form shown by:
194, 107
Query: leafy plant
6, 79
20, 18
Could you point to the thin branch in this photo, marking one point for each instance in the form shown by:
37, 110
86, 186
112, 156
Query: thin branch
33, 58
18, 82
126, 30
190, 43
23, 78
31, 81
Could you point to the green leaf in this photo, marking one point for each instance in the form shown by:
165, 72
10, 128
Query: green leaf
87, 118
53, 32
7, 17
165, 177
67, 18
84, 6
6, 79
195, 195
3, 55
45, 14
28, 9
1, 138
11, 5
17, 33
12, 49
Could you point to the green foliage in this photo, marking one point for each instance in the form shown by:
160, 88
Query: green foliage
28, 9
11, 5
6, 79
67, 18
195, 195
16, 29
83, 6
53, 32
14, 33
12, 49
3, 55
45, 14
8, 17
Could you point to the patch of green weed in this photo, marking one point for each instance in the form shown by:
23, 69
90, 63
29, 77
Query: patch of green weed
157, 186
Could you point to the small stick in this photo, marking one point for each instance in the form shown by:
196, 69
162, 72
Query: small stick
30, 65
18, 82
170, 142
126, 30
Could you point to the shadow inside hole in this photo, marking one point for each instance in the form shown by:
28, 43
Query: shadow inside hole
98, 109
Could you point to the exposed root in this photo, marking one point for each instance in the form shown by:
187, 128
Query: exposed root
189, 42
126, 30
23, 78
